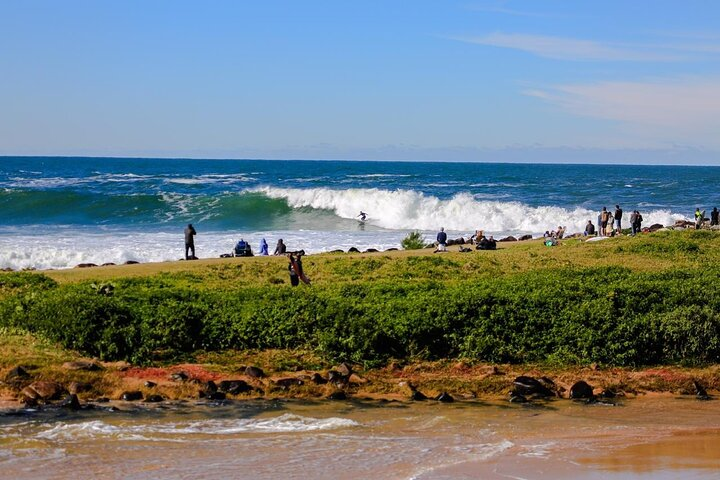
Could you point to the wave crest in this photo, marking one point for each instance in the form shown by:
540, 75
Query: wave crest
409, 209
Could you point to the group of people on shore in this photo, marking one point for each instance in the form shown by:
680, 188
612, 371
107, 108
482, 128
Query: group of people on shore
610, 223
700, 218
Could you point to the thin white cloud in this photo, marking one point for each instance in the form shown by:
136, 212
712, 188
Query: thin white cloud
679, 110
562, 48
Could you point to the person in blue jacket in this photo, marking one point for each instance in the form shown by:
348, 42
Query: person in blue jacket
263, 247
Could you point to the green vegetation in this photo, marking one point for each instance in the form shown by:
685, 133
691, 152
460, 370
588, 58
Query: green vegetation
413, 241
629, 302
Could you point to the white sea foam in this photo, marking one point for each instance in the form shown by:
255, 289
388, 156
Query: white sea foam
56, 248
409, 209
286, 423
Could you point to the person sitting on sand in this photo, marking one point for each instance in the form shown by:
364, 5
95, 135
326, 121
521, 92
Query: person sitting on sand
589, 229
263, 247
492, 243
243, 249
280, 248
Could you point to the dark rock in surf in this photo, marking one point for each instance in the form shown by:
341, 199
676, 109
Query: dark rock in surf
445, 397
286, 383
70, 402
131, 262
210, 386
108, 264
85, 265
524, 385
234, 387
581, 390
508, 239
131, 396
337, 395
353, 250
371, 250
517, 398
215, 396
654, 227
525, 237
337, 251
154, 398
393, 249
318, 379
43, 390
417, 396
700, 392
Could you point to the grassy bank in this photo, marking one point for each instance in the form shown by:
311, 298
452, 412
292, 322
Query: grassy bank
648, 300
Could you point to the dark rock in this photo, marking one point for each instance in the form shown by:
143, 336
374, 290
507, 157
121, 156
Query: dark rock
254, 372
393, 249
654, 227
508, 239
581, 389
344, 369
154, 398
102, 400
700, 392
417, 396
524, 385
131, 262
108, 264
608, 394
29, 402
131, 396
43, 390
517, 398
78, 387
150, 384
210, 386
234, 387
71, 402
318, 379
445, 398
179, 376
17, 373
525, 237
85, 265
82, 365
286, 383
337, 251
371, 250
337, 395
353, 250
215, 395
338, 378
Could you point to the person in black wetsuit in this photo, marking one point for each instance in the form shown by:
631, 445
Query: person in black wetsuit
618, 219
714, 214
190, 242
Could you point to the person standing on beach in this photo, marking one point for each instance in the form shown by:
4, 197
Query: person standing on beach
618, 218
190, 242
441, 240
604, 216
698, 218
714, 216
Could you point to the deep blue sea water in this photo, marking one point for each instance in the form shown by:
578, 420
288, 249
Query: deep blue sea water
58, 212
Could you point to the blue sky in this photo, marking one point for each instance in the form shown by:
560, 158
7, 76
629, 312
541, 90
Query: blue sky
629, 81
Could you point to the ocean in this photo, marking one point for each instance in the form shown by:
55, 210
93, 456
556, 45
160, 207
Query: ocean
58, 212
